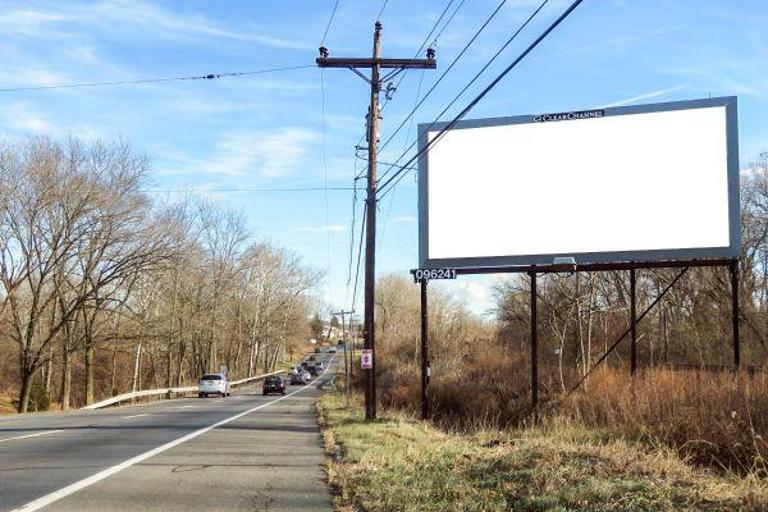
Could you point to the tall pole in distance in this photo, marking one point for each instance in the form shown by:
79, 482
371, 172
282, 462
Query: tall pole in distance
347, 360
369, 325
376, 64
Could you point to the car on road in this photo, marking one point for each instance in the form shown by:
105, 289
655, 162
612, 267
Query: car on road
299, 378
332, 350
312, 369
307, 375
305, 364
294, 370
273, 384
319, 366
213, 384
318, 350
312, 358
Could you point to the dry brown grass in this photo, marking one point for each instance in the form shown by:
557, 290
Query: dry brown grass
400, 463
716, 419
712, 418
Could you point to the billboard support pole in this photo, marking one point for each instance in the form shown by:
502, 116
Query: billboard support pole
424, 352
534, 350
633, 320
735, 312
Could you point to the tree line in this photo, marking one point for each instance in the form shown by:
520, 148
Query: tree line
103, 290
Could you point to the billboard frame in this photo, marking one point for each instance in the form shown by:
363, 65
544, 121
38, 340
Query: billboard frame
585, 259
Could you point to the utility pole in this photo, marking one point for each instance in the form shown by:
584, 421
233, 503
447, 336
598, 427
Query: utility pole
375, 64
347, 364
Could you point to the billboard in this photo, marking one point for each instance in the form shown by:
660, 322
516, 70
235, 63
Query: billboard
626, 184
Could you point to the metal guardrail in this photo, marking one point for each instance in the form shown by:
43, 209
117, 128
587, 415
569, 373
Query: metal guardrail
165, 391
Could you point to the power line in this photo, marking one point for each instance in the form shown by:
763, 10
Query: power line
352, 234
330, 20
444, 73
359, 255
424, 44
230, 190
469, 84
450, 19
407, 136
325, 175
210, 76
381, 11
416, 54
487, 89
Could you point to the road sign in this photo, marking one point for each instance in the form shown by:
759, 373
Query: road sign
366, 359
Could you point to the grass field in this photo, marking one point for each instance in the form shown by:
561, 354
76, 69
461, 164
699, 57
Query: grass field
400, 463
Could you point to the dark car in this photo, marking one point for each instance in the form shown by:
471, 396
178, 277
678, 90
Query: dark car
318, 350
305, 364
273, 384
298, 378
312, 369
311, 358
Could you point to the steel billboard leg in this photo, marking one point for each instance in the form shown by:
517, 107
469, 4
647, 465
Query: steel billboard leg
424, 352
534, 350
735, 312
633, 320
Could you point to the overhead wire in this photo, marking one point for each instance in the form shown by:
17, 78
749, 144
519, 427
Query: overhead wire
407, 136
325, 175
359, 256
325, 149
238, 189
381, 11
416, 54
484, 92
470, 83
444, 73
210, 76
361, 174
330, 21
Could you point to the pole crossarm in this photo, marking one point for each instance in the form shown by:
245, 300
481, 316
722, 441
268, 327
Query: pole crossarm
353, 62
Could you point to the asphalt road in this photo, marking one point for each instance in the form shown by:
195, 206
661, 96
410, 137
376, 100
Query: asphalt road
247, 452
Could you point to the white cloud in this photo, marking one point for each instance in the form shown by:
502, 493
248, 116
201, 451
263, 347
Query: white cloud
19, 117
128, 18
271, 154
645, 96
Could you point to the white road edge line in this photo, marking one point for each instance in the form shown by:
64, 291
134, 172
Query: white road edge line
82, 484
30, 435
136, 416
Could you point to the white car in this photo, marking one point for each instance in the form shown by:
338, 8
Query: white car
294, 370
213, 384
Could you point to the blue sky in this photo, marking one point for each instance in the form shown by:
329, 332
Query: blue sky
267, 130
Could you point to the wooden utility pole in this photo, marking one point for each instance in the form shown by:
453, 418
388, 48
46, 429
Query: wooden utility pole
347, 357
375, 64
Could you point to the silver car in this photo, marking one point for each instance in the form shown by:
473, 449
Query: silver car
213, 384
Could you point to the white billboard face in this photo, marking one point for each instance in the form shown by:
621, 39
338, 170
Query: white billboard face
608, 185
